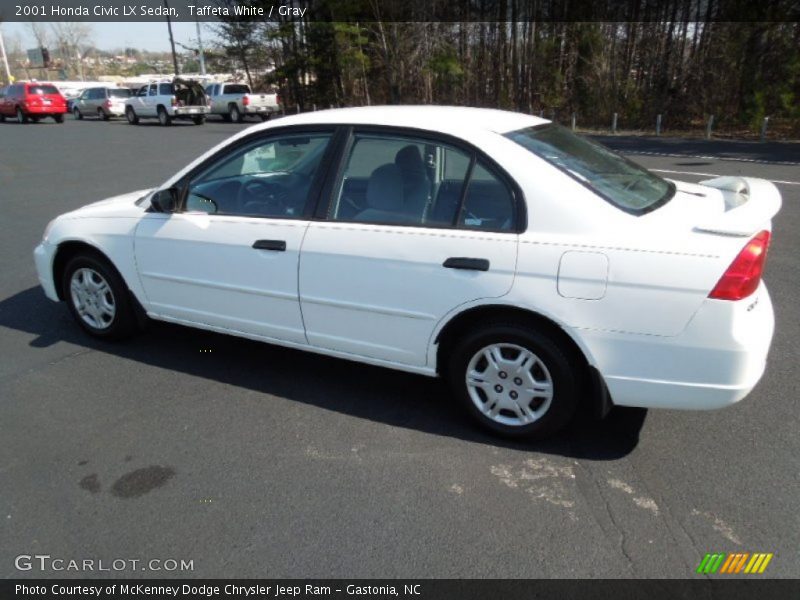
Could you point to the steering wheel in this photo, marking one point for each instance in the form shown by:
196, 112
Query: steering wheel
258, 195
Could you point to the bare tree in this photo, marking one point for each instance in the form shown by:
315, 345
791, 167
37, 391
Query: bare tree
72, 40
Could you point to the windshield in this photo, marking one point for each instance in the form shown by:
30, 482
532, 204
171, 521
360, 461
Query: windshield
620, 181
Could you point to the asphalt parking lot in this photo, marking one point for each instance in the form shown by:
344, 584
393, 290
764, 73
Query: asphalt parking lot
257, 461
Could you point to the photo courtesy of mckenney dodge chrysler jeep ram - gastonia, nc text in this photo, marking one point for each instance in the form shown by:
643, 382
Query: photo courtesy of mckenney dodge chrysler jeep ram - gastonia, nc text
536, 271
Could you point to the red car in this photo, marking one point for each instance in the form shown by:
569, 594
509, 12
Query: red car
32, 100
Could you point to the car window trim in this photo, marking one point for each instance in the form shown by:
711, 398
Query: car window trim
257, 137
520, 224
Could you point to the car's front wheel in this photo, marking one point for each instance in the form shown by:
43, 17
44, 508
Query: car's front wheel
77, 114
515, 380
130, 114
98, 298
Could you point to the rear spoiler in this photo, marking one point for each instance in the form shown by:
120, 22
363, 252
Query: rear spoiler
750, 204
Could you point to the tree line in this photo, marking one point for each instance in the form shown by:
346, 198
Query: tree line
677, 58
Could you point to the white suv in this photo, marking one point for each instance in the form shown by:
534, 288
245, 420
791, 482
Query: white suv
535, 270
168, 100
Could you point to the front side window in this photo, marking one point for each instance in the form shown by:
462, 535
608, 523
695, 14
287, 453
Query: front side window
620, 181
153, 89
399, 180
269, 178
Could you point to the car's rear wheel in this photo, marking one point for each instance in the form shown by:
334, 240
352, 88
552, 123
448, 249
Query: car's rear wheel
98, 298
21, 116
101, 114
58, 118
163, 118
265, 117
514, 380
199, 120
77, 114
130, 114
2, 118
235, 114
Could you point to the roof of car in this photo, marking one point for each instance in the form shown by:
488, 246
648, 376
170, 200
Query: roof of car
446, 119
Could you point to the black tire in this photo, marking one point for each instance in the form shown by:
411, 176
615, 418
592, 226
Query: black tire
2, 118
123, 323
77, 114
235, 114
199, 120
101, 114
130, 114
564, 372
58, 118
264, 117
22, 118
163, 117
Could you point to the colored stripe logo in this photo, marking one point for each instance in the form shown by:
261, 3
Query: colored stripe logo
738, 562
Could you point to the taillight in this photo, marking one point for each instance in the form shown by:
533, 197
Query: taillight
245, 101
277, 98
107, 103
742, 277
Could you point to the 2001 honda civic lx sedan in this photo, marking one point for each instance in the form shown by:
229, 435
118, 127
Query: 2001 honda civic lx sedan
537, 271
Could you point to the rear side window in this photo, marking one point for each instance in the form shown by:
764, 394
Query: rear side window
119, 93
42, 89
398, 180
165, 89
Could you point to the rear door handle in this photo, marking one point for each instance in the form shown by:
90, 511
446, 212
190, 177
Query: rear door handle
469, 264
276, 245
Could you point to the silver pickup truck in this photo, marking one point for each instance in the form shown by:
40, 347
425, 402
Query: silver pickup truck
235, 101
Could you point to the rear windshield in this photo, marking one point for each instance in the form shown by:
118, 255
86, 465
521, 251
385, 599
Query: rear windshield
119, 93
42, 89
236, 89
620, 181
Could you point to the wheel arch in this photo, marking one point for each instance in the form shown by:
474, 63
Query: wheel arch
66, 251
456, 326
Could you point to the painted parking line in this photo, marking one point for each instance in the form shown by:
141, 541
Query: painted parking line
704, 157
717, 175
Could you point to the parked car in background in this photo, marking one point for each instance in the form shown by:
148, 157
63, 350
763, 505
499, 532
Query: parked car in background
168, 100
32, 101
101, 102
537, 272
235, 101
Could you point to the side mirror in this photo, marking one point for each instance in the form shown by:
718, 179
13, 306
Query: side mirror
165, 201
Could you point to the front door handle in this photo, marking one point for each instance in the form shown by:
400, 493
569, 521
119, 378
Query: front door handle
276, 245
468, 264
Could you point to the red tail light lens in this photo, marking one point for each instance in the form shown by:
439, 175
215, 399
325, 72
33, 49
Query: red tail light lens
245, 101
742, 277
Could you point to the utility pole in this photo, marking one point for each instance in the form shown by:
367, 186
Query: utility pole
200, 45
171, 40
5, 58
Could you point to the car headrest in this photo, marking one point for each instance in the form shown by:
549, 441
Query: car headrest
409, 159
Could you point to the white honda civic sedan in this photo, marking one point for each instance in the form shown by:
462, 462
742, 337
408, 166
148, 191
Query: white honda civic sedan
537, 271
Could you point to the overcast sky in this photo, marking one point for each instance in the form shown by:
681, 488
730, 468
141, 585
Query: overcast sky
107, 36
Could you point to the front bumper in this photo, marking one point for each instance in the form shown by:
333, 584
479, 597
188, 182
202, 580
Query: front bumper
43, 256
715, 362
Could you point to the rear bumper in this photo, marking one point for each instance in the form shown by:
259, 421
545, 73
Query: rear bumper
188, 111
43, 258
716, 361
257, 110
45, 110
